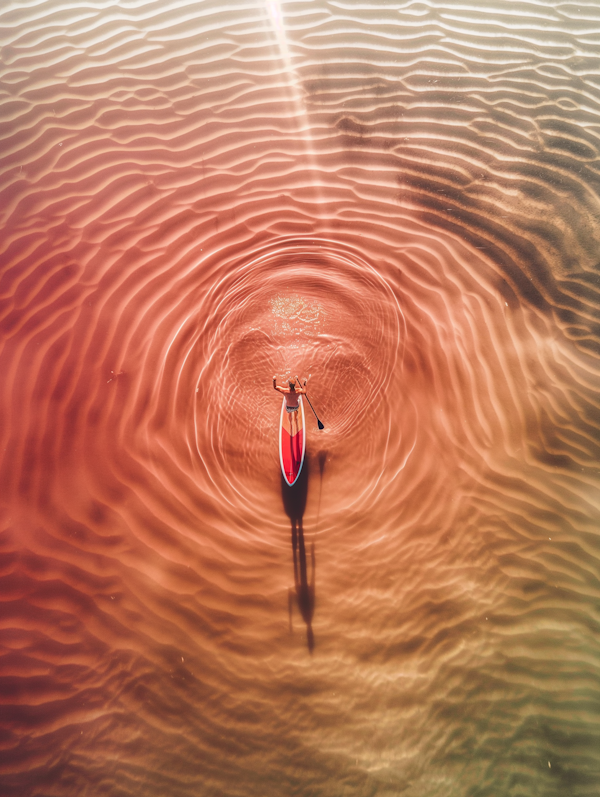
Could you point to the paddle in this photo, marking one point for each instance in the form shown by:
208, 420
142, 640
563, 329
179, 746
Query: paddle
321, 425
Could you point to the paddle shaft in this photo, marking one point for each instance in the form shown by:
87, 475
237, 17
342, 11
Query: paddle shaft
320, 425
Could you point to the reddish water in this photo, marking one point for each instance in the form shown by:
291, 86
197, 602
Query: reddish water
399, 202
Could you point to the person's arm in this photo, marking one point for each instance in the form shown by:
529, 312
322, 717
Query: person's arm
276, 386
301, 389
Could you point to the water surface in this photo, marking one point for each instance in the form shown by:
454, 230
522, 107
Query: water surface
397, 202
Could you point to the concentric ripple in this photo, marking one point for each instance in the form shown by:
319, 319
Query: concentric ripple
397, 202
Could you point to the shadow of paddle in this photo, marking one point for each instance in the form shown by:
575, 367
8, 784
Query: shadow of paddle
294, 503
321, 459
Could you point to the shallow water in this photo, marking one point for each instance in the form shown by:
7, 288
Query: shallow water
397, 202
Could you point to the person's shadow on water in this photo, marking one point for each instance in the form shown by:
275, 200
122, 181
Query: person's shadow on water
294, 502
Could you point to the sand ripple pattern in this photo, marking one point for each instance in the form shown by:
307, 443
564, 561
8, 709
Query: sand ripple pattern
400, 203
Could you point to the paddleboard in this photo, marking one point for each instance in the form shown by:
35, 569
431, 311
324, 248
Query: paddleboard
292, 442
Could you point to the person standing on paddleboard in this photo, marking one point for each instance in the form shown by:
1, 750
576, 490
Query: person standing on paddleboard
291, 394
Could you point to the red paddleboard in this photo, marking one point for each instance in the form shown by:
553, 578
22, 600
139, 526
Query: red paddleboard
292, 442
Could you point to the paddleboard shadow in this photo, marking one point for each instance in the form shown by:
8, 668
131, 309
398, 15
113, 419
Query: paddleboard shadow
294, 503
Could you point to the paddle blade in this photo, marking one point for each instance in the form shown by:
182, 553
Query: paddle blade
321, 426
